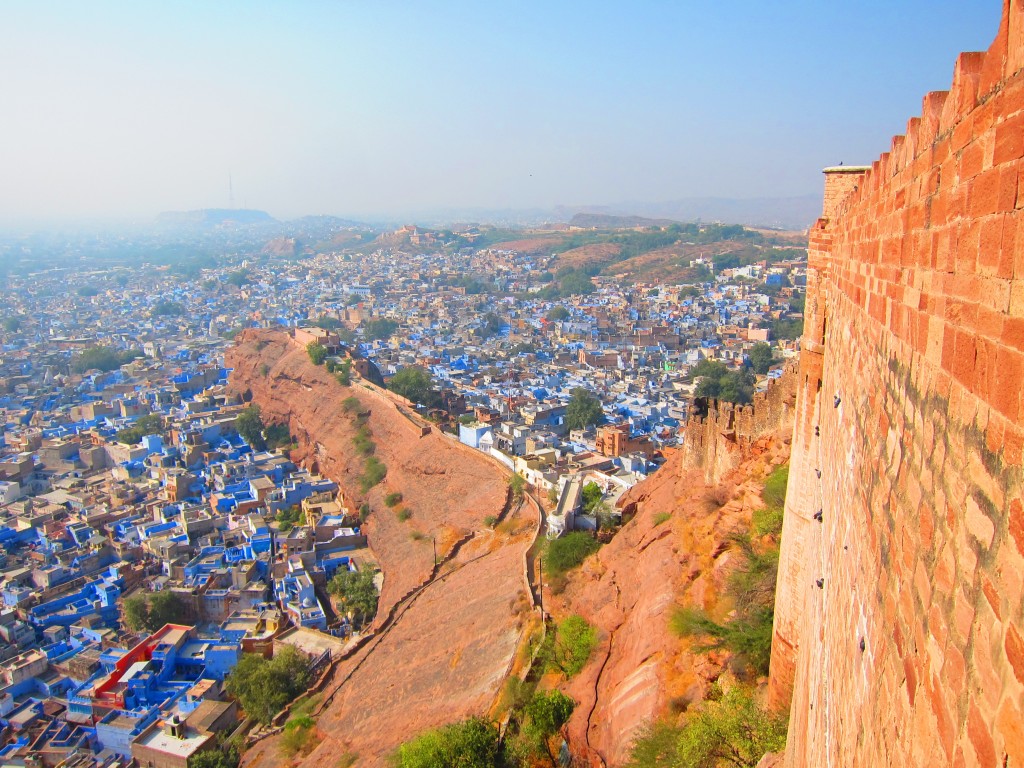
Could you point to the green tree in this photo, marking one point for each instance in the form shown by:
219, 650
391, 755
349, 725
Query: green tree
549, 711
277, 435
300, 737
135, 613
12, 324
787, 328
747, 633
737, 387
165, 607
215, 758
710, 369
317, 352
355, 591
732, 732
414, 383
592, 494
607, 518
238, 279
775, 486
568, 551
150, 424
250, 426
149, 612
518, 485
471, 743
374, 471
655, 747
491, 325
100, 358
761, 358
288, 518
576, 283
717, 381
583, 410
327, 322
537, 717
379, 328
168, 308
574, 642
265, 687
344, 372
556, 314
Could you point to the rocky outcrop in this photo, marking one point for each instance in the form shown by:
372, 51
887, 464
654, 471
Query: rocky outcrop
444, 635
673, 552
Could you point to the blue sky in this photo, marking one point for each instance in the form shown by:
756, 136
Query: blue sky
385, 108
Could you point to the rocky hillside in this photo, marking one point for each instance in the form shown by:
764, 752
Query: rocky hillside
674, 552
446, 634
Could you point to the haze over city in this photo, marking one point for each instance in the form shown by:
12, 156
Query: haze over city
117, 110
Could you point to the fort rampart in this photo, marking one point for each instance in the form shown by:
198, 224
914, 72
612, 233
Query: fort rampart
899, 631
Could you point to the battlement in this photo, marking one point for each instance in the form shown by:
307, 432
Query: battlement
718, 434
906, 475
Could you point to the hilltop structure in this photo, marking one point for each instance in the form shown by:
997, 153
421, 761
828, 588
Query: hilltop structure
899, 624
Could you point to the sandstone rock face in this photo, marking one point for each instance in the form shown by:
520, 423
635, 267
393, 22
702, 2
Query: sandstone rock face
446, 644
641, 671
909, 439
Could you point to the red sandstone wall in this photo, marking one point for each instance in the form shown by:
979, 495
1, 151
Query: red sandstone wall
916, 320
719, 434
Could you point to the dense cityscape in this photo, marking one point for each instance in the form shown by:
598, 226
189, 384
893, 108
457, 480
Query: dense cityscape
156, 530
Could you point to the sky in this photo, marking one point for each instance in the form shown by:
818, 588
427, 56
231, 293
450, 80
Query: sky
349, 108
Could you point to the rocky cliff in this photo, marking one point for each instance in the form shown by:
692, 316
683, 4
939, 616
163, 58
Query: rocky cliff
908, 445
675, 551
443, 635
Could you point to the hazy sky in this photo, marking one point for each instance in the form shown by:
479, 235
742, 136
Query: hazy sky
362, 108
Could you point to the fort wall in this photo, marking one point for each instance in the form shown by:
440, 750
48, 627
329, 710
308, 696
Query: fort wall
719, 434
899, 632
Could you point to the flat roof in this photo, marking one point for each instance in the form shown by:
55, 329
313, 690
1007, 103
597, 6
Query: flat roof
158, 739
310, 641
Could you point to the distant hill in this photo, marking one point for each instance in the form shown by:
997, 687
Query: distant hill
640, 253
775, 212
214, 217
326, 222
609, 221
792, 213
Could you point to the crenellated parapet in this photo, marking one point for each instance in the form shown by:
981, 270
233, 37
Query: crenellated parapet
900, 602
719, 434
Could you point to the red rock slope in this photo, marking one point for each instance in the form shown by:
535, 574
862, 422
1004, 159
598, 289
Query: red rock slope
641, 671
674, 552
445, 654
